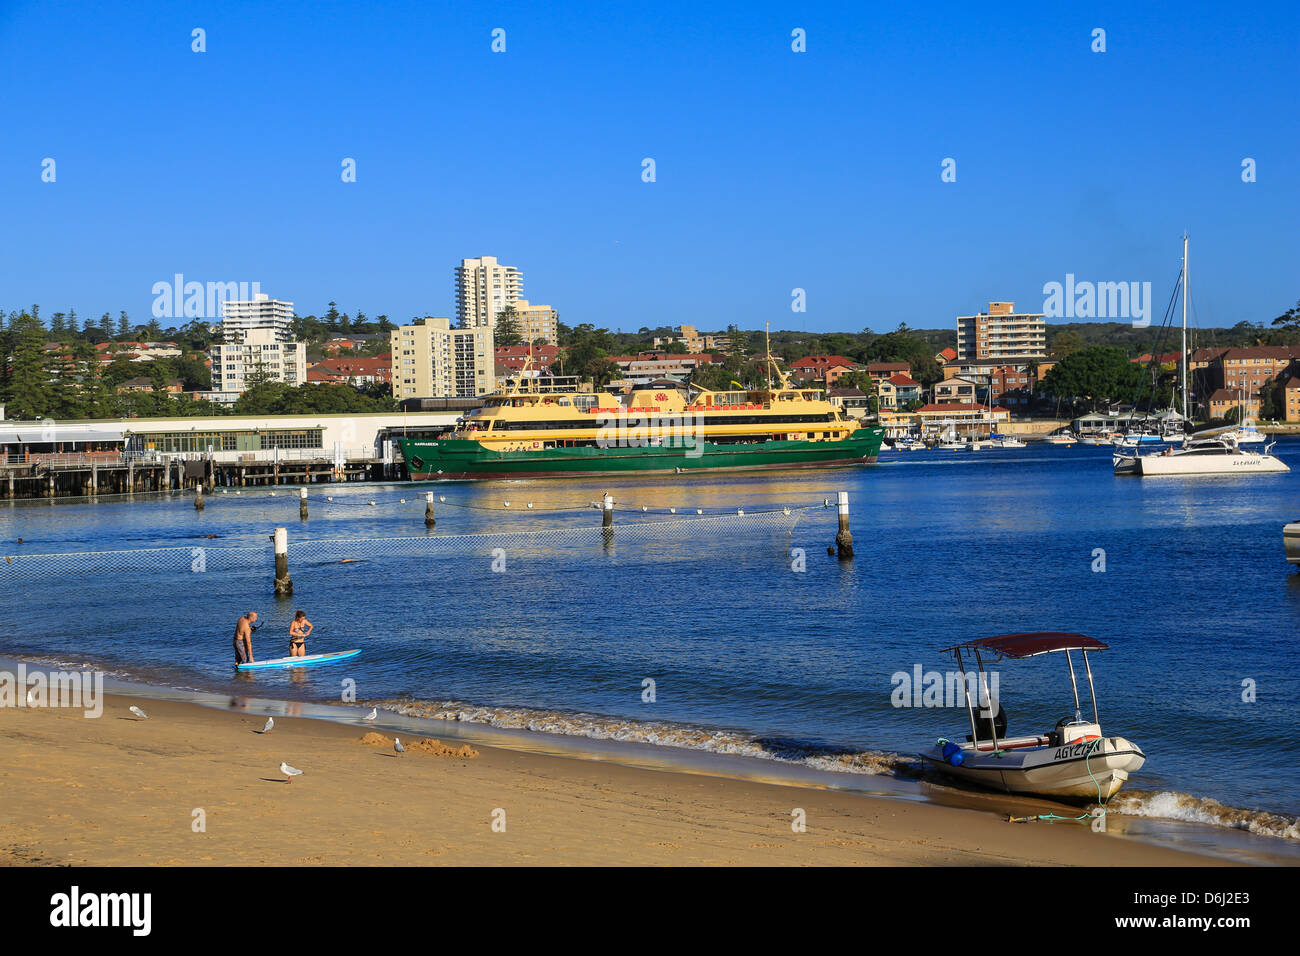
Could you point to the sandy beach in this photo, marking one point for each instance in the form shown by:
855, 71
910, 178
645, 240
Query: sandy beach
119, 790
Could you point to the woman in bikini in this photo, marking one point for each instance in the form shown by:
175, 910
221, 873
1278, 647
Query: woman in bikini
298, 632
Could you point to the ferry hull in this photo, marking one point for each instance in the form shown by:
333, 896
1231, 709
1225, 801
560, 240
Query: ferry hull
458, 459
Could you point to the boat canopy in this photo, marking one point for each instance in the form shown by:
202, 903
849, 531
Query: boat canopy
1031, 645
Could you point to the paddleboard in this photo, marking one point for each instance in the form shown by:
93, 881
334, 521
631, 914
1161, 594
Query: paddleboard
300, 661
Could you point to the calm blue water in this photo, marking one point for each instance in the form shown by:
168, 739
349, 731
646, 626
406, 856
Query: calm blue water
1195, 598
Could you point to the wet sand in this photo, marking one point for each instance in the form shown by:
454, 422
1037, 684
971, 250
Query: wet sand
122, 791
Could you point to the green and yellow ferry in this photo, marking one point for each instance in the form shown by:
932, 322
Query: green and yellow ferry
665, 426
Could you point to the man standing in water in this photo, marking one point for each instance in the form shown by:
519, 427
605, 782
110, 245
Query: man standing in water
244, 629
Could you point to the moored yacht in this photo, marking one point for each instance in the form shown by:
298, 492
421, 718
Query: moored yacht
1211, 455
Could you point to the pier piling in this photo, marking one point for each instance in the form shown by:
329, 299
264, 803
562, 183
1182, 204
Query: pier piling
283, 585
844, 539
302, 503
429, 520
607, 511
199, 503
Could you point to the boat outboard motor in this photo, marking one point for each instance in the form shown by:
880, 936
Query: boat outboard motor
986, 726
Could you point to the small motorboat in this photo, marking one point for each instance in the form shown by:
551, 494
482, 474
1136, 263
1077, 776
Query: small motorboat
1062, 436
1072, 760
1291, 542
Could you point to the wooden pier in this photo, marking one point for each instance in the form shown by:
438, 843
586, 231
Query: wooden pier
58, 476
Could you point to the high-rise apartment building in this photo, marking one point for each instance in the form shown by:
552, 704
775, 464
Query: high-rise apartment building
433, 360
537, 322
1001, 333
258, 346
261, 312
483, 288
257, 356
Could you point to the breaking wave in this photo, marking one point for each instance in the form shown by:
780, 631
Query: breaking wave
1170, 805
816, 755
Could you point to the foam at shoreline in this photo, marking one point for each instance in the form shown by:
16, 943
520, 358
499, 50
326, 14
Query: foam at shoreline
1171, 805
658, 733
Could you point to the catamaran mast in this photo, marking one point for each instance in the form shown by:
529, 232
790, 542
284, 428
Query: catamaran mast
1183, 356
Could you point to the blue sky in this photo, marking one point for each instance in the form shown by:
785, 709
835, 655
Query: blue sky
775, 169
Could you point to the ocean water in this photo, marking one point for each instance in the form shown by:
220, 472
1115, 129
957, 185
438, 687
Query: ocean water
756, 641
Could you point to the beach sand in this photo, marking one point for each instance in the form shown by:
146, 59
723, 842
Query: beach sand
122, 791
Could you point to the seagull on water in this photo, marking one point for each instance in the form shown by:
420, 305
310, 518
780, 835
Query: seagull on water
289, 772
397, 746
374, 712
139, 713
270, 722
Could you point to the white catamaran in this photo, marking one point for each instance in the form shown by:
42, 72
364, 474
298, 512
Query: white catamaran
1216, 452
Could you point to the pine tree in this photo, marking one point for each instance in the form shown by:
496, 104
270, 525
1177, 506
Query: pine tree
123, 326
28, 394
506, 330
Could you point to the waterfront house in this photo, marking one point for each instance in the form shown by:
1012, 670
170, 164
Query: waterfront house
955, 390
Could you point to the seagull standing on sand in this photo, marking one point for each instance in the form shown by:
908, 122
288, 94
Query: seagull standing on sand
374, 712
270, 722
397, 747
139, 713
289, 772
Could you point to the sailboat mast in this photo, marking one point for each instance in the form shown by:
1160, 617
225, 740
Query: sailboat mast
1184, 352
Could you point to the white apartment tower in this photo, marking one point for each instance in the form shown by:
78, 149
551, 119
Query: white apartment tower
262, 312
483, 288
258, 346
433, 360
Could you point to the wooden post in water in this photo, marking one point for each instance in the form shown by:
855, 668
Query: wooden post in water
130, 477
844, 539
429, 519
94, 478
199, 503
302, 503
607, 511
166, 476
283, 585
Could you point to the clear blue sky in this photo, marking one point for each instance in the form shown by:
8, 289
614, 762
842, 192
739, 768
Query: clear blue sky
775, 170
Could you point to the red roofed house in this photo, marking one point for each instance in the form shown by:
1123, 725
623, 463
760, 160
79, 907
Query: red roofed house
883, 371
1225, 399
898, 390
543, 355
946, 356
827, 369
352, 371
